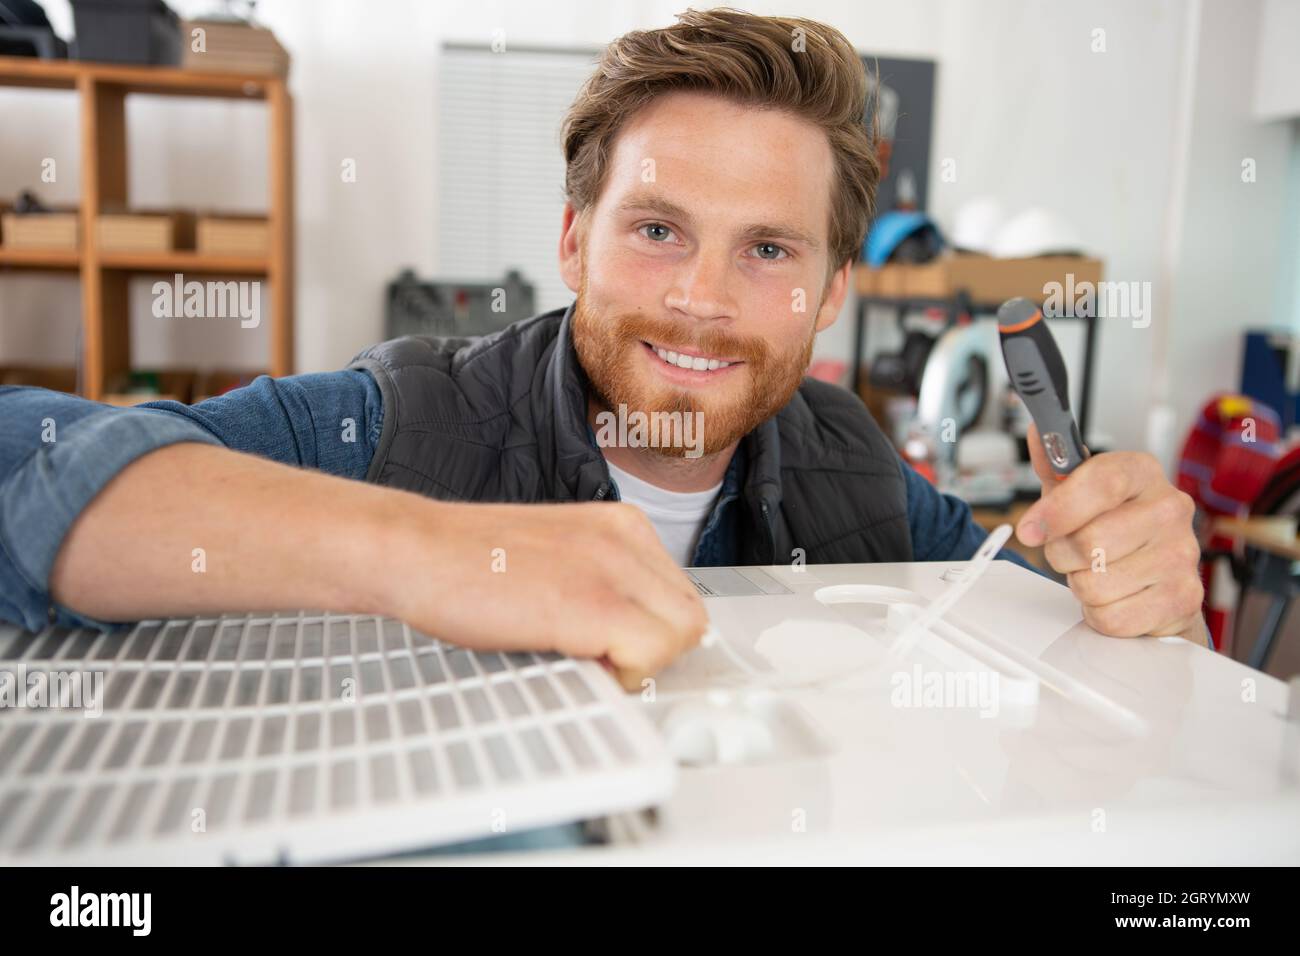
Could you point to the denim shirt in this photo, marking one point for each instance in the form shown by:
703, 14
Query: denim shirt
57, 451
716, 547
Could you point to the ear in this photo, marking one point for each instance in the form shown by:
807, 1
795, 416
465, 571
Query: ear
571, 249
835, 293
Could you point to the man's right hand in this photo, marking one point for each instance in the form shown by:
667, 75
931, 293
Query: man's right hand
587, 580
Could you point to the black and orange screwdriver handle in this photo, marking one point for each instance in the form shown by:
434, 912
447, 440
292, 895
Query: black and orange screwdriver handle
1038, 375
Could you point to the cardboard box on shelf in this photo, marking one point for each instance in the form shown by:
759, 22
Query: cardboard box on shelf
985, 279
231, 235
145, 231
40, 230
927, 281
232, 47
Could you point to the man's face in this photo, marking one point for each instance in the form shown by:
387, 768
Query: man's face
700, 272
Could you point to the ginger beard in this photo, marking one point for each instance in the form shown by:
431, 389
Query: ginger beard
612, 350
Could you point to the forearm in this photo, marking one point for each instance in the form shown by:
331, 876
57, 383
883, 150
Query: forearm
58, 452
193, 529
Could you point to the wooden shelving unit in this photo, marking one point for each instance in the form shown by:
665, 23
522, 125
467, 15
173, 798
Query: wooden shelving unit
103, 89
40, 259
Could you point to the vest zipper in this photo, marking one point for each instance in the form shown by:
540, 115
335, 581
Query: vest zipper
767, 527
601, 492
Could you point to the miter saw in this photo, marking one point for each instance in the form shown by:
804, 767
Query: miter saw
962, 410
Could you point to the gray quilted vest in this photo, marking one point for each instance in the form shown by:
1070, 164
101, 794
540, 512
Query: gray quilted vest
504, 418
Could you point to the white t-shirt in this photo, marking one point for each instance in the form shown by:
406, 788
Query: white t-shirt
677, 516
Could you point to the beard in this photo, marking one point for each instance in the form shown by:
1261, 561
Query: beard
609, 348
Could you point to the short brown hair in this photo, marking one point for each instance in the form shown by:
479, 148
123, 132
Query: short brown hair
752, 60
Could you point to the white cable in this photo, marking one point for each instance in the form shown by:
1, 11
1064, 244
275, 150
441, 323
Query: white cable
901, 646
954, 592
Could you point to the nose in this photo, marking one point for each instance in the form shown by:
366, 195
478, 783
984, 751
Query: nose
701, 288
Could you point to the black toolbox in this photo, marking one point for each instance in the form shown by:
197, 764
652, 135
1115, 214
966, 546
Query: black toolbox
127, 31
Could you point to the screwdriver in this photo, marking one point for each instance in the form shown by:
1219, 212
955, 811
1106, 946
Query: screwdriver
1038, 375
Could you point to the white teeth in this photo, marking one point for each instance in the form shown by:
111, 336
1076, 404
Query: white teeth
699, 364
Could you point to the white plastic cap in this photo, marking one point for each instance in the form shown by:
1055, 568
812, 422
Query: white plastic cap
976, 223
1035, 232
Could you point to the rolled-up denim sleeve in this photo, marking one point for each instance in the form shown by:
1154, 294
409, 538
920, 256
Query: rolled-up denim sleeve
942, 526
330, 421
58, 451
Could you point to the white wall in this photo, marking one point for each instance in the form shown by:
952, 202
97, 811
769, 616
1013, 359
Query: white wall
1288, 278
1032, 116
1025, 107
1228, 262
1277, 68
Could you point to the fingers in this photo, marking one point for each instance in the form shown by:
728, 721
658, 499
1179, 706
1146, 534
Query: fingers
631, 641
1168, 607
587, 580
680, 611
1123, 537
638, 567
641, 644
635, 607
1100, 484
1111, 580
665, 594
635, 535
1134, 568
1113, 536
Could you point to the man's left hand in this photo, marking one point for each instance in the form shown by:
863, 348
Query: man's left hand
1122, 535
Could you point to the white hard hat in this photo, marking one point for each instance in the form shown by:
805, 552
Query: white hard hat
975, 224
1035, 232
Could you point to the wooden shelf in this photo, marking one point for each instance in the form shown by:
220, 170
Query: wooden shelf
179, 261
102, 90
183, 261
156, 80
983, 278
59, 259
60, 378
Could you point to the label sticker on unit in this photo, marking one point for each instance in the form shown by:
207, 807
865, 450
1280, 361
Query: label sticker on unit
735, 582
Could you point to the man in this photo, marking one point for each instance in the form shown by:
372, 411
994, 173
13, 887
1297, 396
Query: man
719, 183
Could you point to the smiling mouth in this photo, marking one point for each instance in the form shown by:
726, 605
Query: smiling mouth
686, 360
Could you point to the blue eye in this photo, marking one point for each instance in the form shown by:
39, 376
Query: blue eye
778, 252
656, 225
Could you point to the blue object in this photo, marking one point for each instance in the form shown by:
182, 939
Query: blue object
45, 485
1264, 372
889, 231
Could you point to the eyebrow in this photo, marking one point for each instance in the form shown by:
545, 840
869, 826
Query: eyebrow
649, 202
